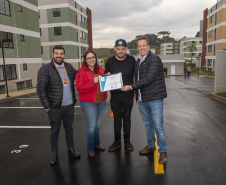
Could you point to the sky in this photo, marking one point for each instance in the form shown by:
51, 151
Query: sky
115, 19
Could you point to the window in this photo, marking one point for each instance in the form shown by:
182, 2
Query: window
82, 19
4, 7
83, 50
56, 12
193, 42
75, 5
77, 35
78, 51
10, 72
211, 19
210, 34
76, 21
209, 62
6, 35
39, 14
24, 67
41, 50
57, 31
1, 74
28, 83
40, 31
210, 48
22, 38
82, 35
19, 8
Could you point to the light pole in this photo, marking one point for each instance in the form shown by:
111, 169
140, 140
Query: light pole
4, 68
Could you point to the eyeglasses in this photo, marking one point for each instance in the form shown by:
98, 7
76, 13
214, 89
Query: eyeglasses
90, 58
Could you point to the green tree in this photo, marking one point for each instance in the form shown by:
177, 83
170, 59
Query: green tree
165, 35
192, 48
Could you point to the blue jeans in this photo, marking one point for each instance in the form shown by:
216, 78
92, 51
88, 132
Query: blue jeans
152, 116
93, 113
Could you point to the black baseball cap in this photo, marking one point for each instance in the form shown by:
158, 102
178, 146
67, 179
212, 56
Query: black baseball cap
120, 42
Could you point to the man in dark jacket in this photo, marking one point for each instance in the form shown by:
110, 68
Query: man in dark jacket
121, 101
151, 89
56, 92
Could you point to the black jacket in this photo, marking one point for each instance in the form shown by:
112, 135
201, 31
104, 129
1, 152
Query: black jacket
50, 87
151, 78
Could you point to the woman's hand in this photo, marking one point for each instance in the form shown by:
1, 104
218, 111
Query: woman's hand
96, 79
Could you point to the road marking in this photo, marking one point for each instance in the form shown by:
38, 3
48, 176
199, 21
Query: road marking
23, 146
158, 168
27, 98
26, 107
24, 126
16, 151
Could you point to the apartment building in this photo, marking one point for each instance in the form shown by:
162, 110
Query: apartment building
19, 22
185, 42
169, 48
68, 24
214, 34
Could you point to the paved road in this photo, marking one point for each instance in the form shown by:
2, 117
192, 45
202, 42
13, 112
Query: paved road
195, 129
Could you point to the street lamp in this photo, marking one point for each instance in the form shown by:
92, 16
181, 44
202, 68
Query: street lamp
4, 68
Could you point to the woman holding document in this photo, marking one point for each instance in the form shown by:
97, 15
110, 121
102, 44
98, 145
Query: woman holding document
92, 100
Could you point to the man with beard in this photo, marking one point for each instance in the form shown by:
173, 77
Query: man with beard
56, 92
121, 102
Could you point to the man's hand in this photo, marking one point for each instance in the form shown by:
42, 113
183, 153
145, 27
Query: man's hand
47, 110
126, 88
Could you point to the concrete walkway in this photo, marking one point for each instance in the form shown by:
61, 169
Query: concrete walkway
16, 94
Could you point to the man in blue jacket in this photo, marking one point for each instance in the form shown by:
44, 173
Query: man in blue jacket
56, 92
151, 89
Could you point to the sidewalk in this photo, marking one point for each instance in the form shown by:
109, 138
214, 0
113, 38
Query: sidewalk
16, 94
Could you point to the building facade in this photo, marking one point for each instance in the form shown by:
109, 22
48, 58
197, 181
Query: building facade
19, 22
169, 48
64, 23
215, 33
188, 55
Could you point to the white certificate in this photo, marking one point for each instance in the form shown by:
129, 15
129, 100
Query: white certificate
110, 82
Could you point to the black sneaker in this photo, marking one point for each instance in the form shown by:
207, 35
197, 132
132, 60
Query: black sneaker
128, 145
114, 146
54, 159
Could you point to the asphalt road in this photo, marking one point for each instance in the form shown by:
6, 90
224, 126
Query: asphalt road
195, 130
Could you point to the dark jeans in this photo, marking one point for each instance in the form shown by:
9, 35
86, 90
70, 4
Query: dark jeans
65, 113
119, 115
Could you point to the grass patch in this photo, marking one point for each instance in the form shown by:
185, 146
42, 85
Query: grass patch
222, 94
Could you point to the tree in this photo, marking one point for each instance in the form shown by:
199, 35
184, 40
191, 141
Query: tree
165, 35
192, 48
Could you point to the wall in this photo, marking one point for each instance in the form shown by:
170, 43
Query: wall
220, 75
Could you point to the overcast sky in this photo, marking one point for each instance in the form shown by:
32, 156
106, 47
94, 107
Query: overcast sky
114, 19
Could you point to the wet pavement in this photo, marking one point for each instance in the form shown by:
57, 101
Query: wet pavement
195, 130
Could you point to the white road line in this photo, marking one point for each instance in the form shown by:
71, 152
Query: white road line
24, 126
27, 98
26, 107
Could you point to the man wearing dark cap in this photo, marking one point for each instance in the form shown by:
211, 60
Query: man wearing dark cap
121, 102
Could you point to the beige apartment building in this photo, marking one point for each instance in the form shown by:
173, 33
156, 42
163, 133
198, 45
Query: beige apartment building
215, 19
